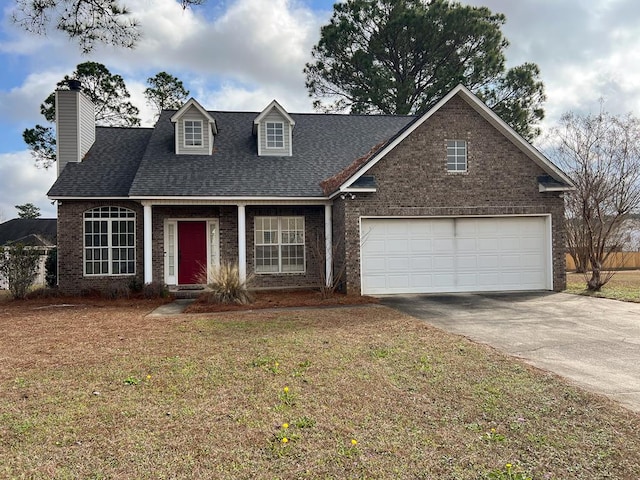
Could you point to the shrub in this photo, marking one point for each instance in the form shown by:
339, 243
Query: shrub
116, 292
51, 268
225, 285
18, 264
135, 285
43, 293
155, 290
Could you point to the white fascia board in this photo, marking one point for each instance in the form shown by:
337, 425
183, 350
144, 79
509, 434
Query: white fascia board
488, 115
566, 188
192, 102
155, 200
232, 200
60, 199
360, 190
277, 106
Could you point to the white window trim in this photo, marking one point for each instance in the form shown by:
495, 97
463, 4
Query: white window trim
457, 157
279, 245
184, 131
266, 136
109, 246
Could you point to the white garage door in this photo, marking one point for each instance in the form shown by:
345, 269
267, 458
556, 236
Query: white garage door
422, 255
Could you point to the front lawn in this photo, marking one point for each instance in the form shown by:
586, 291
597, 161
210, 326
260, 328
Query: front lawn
100, 390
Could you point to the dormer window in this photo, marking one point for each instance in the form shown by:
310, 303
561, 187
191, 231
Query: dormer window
193, 133
275, 135
194, 129
274, 131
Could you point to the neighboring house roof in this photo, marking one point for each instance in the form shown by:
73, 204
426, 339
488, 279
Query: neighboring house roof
142, 163
30, 231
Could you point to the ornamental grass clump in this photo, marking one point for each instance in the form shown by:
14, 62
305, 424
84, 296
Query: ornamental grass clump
225, 286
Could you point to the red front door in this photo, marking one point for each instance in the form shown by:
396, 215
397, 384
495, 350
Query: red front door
192, 252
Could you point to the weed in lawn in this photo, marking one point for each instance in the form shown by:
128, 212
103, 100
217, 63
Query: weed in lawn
493, 436
380, 352
301, 369
304, 422
287, 397
268, 364
21, 383
349, 449
509, 472
131, 380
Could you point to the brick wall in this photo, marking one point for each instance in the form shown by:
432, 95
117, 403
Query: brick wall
70, 243
412, 180
314, 247
71, 279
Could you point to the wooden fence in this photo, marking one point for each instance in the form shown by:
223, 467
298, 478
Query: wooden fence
616, 261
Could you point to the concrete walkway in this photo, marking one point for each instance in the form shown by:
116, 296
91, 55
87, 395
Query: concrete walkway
591, 341
174, 308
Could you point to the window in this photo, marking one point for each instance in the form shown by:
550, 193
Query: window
193, 133
109, 241
279, 244
275, 135
456, 155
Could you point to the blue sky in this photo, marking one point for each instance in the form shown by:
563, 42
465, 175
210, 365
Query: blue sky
241, 54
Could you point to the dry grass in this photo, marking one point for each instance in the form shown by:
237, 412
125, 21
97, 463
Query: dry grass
280, 299
624, 285
102, 391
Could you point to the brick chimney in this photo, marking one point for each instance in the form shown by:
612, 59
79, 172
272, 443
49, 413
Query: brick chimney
75, 124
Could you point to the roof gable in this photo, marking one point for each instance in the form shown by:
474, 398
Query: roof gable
267, 110
485, 112
192, 102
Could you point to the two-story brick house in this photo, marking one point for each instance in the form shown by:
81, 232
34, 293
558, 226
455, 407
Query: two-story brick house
453, 200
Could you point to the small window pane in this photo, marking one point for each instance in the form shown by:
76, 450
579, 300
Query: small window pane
456, 155
275, 135
193, 133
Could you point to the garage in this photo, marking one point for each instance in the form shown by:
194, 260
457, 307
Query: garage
462, 254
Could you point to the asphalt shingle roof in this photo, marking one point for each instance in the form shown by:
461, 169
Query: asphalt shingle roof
108, 168
142, 162
23, 228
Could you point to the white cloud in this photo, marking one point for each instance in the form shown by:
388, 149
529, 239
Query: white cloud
21, 182
22, 103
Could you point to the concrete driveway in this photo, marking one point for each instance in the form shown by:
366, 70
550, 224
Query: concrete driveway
593, 342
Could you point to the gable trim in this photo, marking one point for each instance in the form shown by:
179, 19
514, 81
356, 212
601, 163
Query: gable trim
488, 114
192, 102
278, 107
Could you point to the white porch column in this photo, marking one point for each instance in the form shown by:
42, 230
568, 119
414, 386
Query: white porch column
242, 242
328, 245
148, 245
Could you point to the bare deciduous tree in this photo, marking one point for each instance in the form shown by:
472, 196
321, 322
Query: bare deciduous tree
601, 153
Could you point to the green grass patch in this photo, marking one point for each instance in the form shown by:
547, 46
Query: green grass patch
624, 285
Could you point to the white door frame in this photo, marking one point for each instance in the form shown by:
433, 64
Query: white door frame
171, 251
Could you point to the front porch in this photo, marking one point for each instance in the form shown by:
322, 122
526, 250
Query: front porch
275, 245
